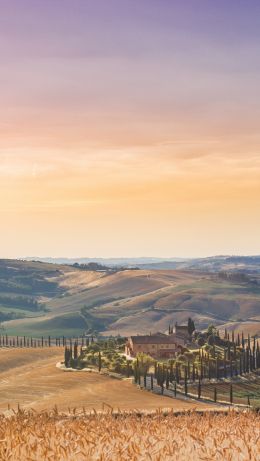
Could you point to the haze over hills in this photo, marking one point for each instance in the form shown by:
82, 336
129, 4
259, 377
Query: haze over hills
41, 298
212, 263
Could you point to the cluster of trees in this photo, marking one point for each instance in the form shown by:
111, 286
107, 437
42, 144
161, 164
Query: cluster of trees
103, 354
91, 267
237, 277
238, 356
225, 357
21, 302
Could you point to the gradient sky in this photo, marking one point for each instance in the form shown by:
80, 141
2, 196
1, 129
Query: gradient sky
129, 127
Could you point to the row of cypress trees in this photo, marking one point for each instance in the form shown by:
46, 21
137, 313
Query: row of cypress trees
25, 341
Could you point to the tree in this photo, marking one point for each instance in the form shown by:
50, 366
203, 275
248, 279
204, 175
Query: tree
191, 326
211, 331
144, 362
201, 341
231, 393
99, 361
75, 350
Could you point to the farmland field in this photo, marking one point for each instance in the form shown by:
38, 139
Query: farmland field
72, 301
124, 437
29, 377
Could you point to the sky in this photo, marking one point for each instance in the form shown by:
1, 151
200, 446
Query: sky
129, 128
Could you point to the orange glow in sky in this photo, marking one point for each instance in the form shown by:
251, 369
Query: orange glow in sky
135, 136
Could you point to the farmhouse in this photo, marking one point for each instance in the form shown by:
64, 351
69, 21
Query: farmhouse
158, 345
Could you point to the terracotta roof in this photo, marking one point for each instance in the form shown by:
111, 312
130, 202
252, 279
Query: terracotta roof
153, 339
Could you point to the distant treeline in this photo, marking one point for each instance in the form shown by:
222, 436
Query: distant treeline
100, 267
239, 277
21, 302
5, 316
92, 267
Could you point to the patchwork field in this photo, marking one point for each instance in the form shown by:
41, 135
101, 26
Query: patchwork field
70, 301
29, 377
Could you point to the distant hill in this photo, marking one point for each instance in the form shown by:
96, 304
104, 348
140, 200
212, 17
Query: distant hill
105, 261
42, 298
213, 263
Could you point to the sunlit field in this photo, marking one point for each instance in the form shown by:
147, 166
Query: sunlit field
132, 436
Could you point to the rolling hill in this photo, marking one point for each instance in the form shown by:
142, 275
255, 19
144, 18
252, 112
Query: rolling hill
68, 300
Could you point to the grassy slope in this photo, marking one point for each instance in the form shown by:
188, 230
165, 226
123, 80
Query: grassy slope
135, 301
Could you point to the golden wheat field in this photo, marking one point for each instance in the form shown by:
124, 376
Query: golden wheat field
130, 437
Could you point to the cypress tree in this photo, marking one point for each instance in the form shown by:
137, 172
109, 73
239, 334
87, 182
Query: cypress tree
135, 373
191, 326
99, 361
177, 373
231, 393
216, 369
185, 382
215, 394
193, 372
199, 389
171, 372
167, 379
228, 352
231, 368
225, 364
158, 375
75, 350
247, 360
257, 356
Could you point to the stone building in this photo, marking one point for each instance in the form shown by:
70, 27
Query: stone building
157, 346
